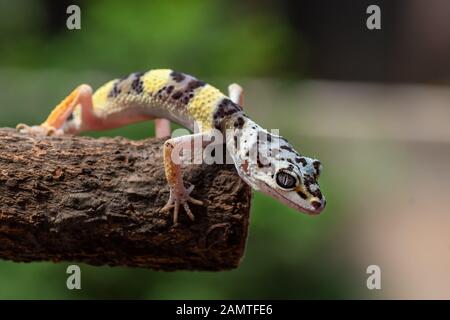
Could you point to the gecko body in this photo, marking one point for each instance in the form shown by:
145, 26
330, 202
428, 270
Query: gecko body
265, 161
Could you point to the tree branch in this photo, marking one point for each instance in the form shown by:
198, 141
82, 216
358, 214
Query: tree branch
97, 201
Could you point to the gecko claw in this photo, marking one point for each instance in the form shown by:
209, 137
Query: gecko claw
23, 128
183, 199
167, 207
38, 130
188, 211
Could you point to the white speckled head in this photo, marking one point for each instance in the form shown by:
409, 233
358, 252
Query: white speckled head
268, 163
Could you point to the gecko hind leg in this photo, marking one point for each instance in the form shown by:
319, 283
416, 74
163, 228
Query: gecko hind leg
54, 125
236, 94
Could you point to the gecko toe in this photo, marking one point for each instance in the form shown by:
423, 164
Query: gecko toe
38, 130
181, 199
167, 207
175, 205
195, 201
188, 211
22, 126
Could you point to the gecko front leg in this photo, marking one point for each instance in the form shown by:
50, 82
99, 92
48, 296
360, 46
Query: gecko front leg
179, 195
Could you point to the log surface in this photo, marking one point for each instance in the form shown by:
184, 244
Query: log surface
97, 201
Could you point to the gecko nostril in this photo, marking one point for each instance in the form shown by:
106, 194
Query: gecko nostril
316, 204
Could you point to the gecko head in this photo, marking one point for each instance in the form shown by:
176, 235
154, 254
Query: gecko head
270, 164
294, 182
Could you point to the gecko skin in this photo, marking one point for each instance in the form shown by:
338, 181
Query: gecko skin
165, 95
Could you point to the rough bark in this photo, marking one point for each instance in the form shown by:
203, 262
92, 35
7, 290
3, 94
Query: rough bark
97, 201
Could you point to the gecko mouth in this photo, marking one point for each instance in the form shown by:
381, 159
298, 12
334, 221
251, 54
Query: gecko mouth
292, 204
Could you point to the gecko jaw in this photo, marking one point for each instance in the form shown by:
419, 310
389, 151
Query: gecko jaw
310, 211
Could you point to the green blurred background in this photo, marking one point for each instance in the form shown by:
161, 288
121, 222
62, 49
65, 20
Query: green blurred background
311, 69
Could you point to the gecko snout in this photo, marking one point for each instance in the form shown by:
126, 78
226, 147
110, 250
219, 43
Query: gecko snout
318, 204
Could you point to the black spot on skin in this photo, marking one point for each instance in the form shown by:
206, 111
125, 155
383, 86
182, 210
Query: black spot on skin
290, 160
160, 92
316, 165
269, 138
239, 123
258, 157
189, 90
138, 85
235, 142
225, 108
177, 76
168, 145
301, 160
260, 164
127, 84
287, 148
169, 89
302, 195
194, 84
308, 181
318, 194
177, 95
290, 167
185, 94
247, 153
115, 91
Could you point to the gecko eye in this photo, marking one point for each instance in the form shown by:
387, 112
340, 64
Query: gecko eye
286, 180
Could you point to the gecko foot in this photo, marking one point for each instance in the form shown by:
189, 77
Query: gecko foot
38, 130
176, 200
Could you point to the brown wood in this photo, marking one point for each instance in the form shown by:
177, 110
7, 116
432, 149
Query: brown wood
97, 201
